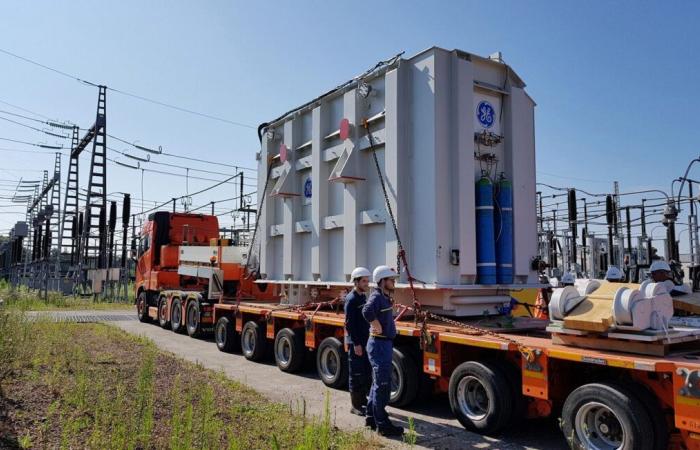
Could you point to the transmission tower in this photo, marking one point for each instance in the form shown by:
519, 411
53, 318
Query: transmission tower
69, 221
54, 226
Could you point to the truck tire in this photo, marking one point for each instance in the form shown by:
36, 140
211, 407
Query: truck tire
656, 414
332, 363
176, 316
289, 350
225, 336
404, 377
193, 320
605, 415
142, 307
480, 397
163, 316
253, 341
515, 382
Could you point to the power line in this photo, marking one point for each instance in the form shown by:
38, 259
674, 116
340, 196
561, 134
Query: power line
34, 128
129, 94
24, 109
53, 147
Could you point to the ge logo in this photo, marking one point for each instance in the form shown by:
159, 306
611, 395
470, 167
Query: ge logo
307, 188
485, 114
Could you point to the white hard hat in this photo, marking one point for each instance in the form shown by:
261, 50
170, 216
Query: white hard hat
359, 272
381, 272
659, 265
568, 278
614, 274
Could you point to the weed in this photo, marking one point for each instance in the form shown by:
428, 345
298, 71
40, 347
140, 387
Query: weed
411, 436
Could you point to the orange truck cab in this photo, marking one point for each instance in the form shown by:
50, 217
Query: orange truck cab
184, 268
159, 249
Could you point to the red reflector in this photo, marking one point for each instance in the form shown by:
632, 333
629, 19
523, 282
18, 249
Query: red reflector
283, 152
344, 129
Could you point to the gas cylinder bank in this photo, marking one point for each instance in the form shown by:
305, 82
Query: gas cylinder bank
453, 136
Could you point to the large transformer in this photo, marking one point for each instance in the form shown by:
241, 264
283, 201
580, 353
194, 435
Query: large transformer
444, 124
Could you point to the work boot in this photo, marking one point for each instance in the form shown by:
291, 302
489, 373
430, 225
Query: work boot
390, 430
369, 422
359, 403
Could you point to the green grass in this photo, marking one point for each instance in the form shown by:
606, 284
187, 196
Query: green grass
25, 299
94, 386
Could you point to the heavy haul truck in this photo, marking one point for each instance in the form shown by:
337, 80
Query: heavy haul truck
400, 164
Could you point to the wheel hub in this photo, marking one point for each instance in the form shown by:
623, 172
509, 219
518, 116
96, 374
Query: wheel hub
329, 363
598, 427
248, 341
284, 350
472, 398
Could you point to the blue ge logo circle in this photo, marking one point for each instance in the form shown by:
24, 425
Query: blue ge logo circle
486, 114
307, 188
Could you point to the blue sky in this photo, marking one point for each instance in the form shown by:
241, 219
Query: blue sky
615, 82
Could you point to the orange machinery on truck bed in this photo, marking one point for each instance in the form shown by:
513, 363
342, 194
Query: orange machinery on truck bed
605, 398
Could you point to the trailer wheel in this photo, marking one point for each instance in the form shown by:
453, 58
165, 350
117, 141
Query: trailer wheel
332, 363
480, 397
176, 316
605, 416
192, 319
289, 350
404, 377
142, 307
225, 336
163, 316
253, 341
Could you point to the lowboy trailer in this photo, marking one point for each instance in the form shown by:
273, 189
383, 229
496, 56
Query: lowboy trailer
606, 399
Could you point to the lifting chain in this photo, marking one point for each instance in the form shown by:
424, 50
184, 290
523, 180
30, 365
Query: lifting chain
420, 315
526, 352
401, 257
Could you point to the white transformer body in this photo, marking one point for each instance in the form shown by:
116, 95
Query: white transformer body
325, 211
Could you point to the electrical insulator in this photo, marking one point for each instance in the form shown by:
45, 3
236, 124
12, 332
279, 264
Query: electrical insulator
609, 210
112, 215
126, 210
572, 204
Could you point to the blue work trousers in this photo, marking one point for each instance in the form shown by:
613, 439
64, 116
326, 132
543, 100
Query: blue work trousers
360, 371
379, 352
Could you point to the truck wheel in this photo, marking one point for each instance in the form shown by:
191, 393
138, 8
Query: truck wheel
404, 377
605, 416
289, 350
176, 316
163, 316
225, 336
332, 363
142, 307
480, 397
194, 325
253, 341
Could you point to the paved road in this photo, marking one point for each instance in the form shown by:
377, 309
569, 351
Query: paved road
435, 425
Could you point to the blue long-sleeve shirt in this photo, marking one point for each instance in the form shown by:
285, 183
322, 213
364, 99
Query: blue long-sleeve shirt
380, 307
357, 328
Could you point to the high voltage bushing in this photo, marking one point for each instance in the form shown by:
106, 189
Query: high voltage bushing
102, 230
112, 226
611, 219
126, 212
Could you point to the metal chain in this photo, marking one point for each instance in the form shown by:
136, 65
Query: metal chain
525, 351
383, 185
252, 247
401, 257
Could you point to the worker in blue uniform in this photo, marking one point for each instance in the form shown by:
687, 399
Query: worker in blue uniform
378, 311
356, 336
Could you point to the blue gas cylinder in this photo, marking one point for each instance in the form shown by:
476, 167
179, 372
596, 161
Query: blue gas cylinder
485, 242
504, 231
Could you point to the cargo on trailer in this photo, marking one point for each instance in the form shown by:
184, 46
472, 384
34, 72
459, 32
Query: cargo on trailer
439, 121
